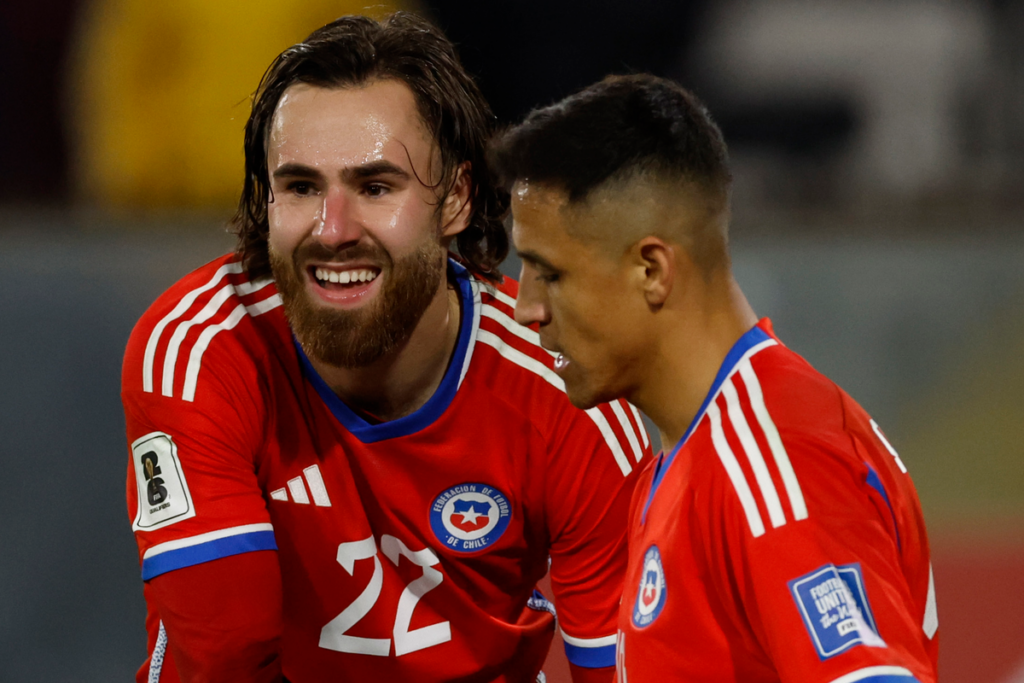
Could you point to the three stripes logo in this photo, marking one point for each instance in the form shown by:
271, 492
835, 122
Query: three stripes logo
296, 489
193, 324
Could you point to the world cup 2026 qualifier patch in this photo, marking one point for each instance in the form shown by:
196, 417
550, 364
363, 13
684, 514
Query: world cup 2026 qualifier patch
164, 497
469, 517
834, 606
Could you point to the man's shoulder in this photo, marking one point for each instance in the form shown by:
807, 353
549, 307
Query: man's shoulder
216, 311
510, 354
519, 374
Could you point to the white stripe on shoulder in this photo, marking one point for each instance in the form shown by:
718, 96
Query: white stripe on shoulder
639, 423
771, 433
611, 440
757, 464
588, 642
174, 345
502, 318
873, 672
503, 297
732, 468
261, 307
244, 288
183, 305
629, 430
195, 359
161, 548
156, 660
520, 358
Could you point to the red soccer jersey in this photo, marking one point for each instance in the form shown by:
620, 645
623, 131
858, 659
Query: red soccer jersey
781, 540
410, 549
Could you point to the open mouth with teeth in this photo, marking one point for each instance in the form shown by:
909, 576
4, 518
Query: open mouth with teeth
334, 279
344, 286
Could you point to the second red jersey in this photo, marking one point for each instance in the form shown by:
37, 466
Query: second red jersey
780, 541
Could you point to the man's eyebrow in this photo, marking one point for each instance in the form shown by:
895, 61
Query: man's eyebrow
374, 169
294, 170
535, 259
362, 172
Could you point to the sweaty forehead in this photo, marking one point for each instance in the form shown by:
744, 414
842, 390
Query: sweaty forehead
349, 125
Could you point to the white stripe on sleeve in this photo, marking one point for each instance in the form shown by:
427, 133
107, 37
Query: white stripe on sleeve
873, 672
589, 642
174, 345
205, 538
183, 305
195, 359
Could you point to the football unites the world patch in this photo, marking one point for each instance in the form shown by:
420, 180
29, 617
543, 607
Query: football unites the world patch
470, 517
650, 598
835, 609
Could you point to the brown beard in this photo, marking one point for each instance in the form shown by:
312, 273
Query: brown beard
357, 338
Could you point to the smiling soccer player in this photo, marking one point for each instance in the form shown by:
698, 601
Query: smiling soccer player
778, 537
347, 460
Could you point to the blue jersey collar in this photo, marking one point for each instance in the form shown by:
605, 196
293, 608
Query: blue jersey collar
434, 407
746, 344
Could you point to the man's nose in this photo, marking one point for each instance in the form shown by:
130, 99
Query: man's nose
337, 222
530, 307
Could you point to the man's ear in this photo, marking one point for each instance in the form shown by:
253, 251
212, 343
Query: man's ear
658, 260
458, 204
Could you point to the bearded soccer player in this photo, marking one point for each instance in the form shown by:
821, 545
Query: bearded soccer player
778, 537
347, 461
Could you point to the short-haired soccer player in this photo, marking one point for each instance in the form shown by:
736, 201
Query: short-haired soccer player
778, 537
358, 468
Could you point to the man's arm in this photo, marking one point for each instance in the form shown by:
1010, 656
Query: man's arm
223, 618
591, 479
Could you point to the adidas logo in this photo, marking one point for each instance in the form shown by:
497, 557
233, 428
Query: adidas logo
297, 489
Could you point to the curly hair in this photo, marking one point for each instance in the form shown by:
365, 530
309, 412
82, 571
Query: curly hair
354, 50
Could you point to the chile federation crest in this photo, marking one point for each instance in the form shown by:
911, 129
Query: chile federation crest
469, 517
650, 598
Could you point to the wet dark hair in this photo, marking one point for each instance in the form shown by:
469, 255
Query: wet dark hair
622, 129
354, 50
620, 126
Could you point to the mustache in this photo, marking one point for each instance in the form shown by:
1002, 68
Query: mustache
316, 251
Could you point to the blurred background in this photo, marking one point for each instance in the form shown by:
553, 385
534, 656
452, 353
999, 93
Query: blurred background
878, 149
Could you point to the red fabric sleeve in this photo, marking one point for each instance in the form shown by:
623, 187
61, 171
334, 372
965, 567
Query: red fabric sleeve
589, 496
605, 674
793, 584
223, 618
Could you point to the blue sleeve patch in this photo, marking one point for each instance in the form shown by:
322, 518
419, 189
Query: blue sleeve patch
835, 609
591, 657
206, 552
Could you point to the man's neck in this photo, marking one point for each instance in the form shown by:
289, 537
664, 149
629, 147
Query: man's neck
692, 346
401, 382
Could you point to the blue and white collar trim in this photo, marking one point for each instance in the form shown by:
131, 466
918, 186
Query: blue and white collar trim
469, 294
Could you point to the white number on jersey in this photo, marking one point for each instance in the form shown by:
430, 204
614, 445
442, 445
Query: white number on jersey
334, 636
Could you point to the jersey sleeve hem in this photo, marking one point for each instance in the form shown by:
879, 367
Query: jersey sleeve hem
590, 653
213, 545
878, 674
